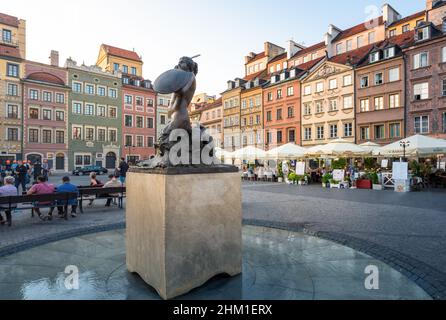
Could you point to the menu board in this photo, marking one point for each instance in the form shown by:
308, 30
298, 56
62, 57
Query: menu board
400, 171
385, 164
300, 168
338, 175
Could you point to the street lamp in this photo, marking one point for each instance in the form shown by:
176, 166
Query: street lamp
404, 145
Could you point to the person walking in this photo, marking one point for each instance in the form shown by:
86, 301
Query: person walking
8, 190
21, 172
123, 169
43, 187
45, 169
67, 187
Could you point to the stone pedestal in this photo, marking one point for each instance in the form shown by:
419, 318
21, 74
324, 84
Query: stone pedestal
184, 226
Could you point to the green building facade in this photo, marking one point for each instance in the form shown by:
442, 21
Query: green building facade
94, 117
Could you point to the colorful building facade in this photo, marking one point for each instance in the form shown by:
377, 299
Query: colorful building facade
211, 119
162, 113
112, 59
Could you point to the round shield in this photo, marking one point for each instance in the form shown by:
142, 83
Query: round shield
172, 81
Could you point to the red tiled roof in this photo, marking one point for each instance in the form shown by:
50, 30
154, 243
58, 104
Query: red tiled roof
216, 103
7, 51
352, 57
257, 57
362, 27
122, 53
408, 18
260, 74
45, 77
314, 47
279, 57
310, 64
9, 20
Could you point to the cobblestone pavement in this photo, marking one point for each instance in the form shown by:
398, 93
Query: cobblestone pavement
408, 231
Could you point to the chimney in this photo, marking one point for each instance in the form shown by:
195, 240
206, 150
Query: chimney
293, 48
54, 58
329, 37
430, 4
390, 15
249, 57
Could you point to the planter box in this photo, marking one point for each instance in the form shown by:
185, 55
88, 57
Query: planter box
335, 186
364, 184
378, 187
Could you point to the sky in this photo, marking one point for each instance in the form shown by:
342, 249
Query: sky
162, 31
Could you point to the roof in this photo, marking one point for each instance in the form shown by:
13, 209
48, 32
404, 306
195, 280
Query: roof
45, 77
352, 57
8, 51
310, 64
408, 18
122, 53
312, 48
362, 27
279, 57
260, 74
216, 103
9, 20
257, 57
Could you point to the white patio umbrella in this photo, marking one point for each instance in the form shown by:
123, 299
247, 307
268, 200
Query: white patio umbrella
370, 147
416, 146
289, 151
249, 153
339, 148
221, 153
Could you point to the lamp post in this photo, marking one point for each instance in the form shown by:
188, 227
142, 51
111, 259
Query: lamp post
404, 145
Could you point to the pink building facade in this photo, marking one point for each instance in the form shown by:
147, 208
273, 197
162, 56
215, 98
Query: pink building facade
138, 119
45, 106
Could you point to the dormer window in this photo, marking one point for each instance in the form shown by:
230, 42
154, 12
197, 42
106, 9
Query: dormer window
389, 53
293, 73
443, 26
423, 34
273, 79
374, 57
137, 83
282, 76
125, 80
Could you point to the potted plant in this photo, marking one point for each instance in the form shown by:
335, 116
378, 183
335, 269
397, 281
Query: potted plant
335, 184
373, 176
280, 174
326, 180
292, 177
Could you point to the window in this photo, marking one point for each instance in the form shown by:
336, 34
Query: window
269, 116
163, 120
349, 45
279, 114
113, 93
113, 135
379, 79
116, 67
444, 122
150, 103
13, 90
139, 101
60, 137
443, 87
364, 82
333, 131
290, 91
320, 133
423, 34
394, 74
87, 160
394, 101
150, 142
77, 87
333, 105
47, 96
379, 103
348, 102
134, 71
34, 113
13, 134
421, 91
348, 130
60, 98
125, 69
89, 89
12, 111
77, 108
60, 116
319, 107
339, 48
140, 141
333, 84
360, 41
33, 135
46, 114
290, 112
251, 102
113, 112
33, 94
406, 28
102, 91
12, 70
292, 135
379, 132
89, 110
101, 111
365, 105
307, 109
307, 90
89, 134
374, 57
392, 33
7, 36
443, 55
319, 87
270, 96
101, 135
279, 136
279, 94
422, 124
395, 130
140, 122
77, 133
347, 80
150, 123
372, 37
421, 60
389, 53
365, 133
46, 136
128, 121
128, 99
125, 80
128, 141
307, 134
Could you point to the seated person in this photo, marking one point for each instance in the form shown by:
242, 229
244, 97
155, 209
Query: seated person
66, 186
8, 190
112, 183
94, 183
42, 187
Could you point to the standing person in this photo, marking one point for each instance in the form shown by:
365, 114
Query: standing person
45, 169
123, 169
37, 170
112, 183
21, 172
8, 190
43, 187
66, 186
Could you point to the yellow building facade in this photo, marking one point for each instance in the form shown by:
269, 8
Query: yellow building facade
251, 115
231, 115
406, 24
113, 59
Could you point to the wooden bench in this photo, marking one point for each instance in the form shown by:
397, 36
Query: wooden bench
34, 201
101, 193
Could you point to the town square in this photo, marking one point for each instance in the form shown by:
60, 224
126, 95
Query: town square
310, 169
